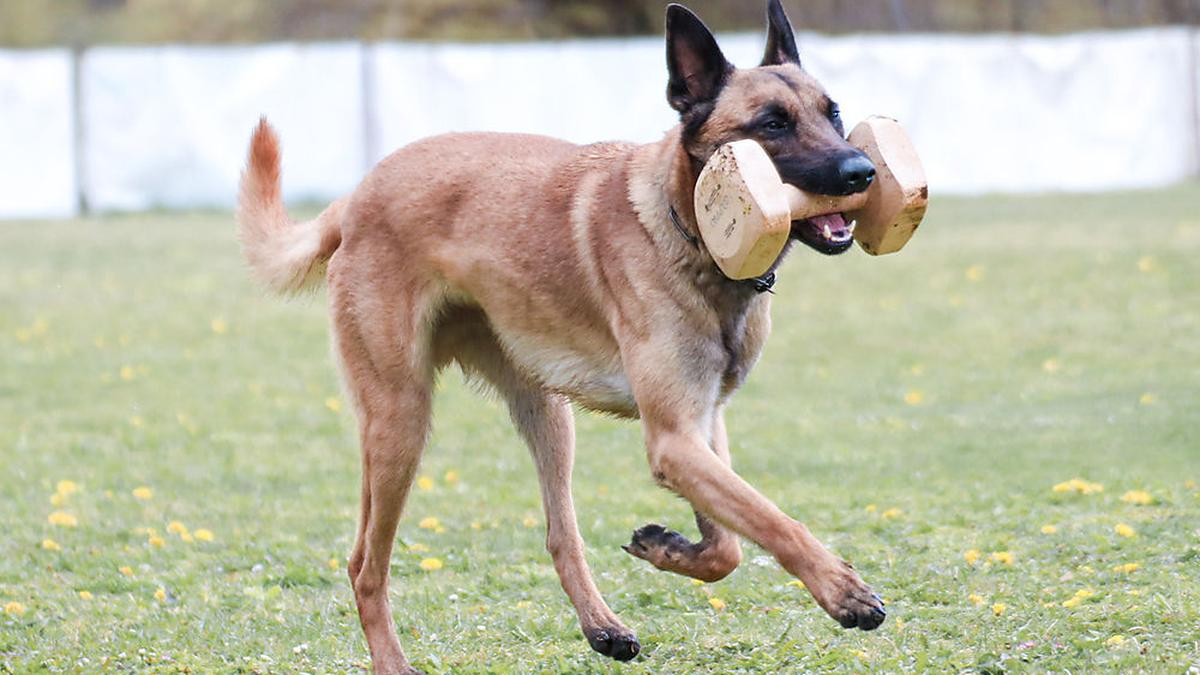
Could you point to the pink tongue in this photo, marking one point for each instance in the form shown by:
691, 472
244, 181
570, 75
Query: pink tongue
835, 221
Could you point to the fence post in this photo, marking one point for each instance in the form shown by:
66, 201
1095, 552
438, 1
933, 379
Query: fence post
79, 139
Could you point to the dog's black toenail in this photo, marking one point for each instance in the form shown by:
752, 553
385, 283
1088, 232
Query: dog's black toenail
625, 649
879, 611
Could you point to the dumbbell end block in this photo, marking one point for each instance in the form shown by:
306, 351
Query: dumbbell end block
898, 196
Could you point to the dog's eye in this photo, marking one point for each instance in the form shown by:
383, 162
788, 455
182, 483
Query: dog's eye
835, 113
776, 124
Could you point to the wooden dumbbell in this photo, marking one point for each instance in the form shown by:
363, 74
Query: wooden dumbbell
745, 210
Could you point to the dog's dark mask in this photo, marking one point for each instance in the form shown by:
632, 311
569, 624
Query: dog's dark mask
777, 104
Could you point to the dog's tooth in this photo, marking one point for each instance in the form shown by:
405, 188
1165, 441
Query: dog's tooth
828, 232
853, 224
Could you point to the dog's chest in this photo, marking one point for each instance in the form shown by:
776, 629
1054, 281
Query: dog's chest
593, 379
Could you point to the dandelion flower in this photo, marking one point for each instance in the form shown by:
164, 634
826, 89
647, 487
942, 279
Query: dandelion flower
66, 487
51, 545
891, 513
14, 608
219, 326
142, 493
1124, 530
529, 521
125, 570
1127, 568
425, 483
796, 583
975, 599
872, 508
333, 404
176, 527
417, 547
85, 595
1080, 595
1147, 263
1051, 365
1079, 485
1049, 529
717, 604
914, 397
429, 523
1139, 497
998, 608
971, 556
476, 525
1001, 557
160, 594
974, 273
62, 518
1115, 641
187, 537
333, 563
451, 477
431, 564
156, 541
57, 499
127, 373
203, 535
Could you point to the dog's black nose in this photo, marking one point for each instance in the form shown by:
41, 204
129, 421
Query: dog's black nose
856, 173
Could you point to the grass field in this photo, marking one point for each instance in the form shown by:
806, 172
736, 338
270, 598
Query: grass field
180, 473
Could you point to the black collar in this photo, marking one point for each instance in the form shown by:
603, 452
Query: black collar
761, 284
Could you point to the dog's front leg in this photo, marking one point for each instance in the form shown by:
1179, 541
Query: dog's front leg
712, 558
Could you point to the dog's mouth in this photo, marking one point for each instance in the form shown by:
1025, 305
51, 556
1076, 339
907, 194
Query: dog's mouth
830, 234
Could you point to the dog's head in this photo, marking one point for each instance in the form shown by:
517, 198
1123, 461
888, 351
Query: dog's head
777, 104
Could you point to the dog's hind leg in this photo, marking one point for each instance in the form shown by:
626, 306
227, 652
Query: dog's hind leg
387, 373
546, 423
712, 558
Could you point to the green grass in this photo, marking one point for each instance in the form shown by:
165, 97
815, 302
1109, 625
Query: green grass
1047, 339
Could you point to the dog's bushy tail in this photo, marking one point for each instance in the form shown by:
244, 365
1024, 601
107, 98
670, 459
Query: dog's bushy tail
285, 256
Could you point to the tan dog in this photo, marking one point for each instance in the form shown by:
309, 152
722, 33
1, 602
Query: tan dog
563, 273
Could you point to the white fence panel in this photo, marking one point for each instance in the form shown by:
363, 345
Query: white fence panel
37, 140
168, 126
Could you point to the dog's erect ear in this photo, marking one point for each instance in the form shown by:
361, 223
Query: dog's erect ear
695, 63
781, 41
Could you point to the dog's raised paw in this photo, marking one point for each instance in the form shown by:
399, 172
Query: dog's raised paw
618, 643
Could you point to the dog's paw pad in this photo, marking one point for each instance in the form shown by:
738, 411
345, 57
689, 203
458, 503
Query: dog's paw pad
618, 643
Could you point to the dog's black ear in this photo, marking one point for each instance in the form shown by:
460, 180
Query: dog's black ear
695, 63
781, 41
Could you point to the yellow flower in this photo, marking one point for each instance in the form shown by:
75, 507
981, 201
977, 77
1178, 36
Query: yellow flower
142, 492
1115, 641
51, 545
156, 541
429, 523
1079, 485
333, 563
891, 513
1189, 484
203, 535
219, 326
126, 570
57, 499
1148, 399
417, 547
1049, 529
717, 603
62, 518
66, 487
137, 422
1127, 568
14, 608
796, 583
1080, 595
871, 508
431, 564
971, 556
974, 273
917, 369
476, 525
451, 477
127, 373
914, 397
333, 404
176, 527
1124, 530
975, 599
529, 521
1001, 557
160, 594
1051, 365
998, 608
1139, 497
1147, 263
187, 537
425, 483
524, 604
85, 595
